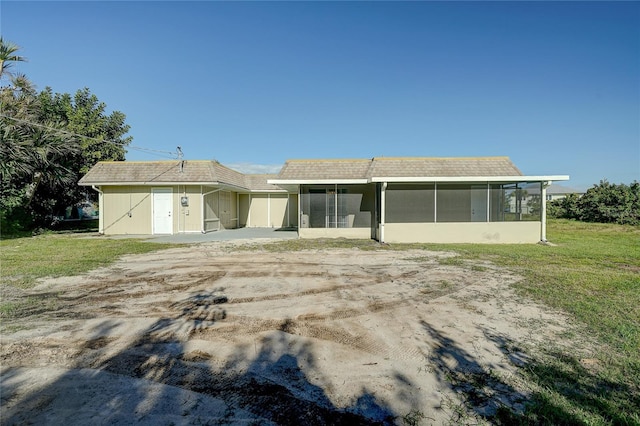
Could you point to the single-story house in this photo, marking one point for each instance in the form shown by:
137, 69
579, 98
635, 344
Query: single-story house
391, 200
169, 197
558, 192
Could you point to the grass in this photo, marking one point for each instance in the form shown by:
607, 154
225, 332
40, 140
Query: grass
24, 260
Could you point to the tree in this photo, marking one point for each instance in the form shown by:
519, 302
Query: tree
101, 136
33, 158
48, 141
8, 57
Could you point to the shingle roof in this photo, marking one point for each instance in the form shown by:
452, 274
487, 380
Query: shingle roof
212, 172
442, 167
325, 169
259, 182
145, 172
398, 167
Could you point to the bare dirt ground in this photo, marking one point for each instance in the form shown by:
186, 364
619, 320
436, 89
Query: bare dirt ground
209, 335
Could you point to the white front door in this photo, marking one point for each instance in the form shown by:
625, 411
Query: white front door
162, 211
479, 203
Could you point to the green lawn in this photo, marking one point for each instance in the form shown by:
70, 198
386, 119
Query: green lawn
24, 260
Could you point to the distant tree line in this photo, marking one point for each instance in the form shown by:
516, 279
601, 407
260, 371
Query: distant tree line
48, 141
605, 202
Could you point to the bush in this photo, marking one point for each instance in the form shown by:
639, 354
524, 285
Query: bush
605, 203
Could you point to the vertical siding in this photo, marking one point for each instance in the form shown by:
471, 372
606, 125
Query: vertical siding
278, 211
234, 211
243, 214
259, 210
190, 217
126, 210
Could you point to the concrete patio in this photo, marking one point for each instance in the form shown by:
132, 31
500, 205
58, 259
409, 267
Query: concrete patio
225, 235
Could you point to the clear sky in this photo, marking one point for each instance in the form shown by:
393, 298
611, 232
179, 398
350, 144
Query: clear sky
553, 85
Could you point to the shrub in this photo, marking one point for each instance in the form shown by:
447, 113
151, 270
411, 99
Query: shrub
605, 202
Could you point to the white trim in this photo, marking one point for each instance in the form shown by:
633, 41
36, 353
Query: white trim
248, 225
504, 179
435, 202
383, 208
161, 190
488, 201
543, 211
316, 181
134, 183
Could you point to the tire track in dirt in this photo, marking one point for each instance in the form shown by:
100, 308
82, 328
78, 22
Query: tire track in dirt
315, 326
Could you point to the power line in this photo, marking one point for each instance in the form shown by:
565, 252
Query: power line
138, 148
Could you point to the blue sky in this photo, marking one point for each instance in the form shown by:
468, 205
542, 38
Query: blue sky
554, 86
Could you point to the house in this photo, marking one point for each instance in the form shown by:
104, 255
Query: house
169, 197
557, 192
393, 200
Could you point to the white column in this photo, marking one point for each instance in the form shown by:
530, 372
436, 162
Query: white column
488, 200
382, 210
543, 211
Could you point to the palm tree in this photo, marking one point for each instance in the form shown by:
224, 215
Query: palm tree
8, 56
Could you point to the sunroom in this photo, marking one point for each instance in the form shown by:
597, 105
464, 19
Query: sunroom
462, 212
423, 200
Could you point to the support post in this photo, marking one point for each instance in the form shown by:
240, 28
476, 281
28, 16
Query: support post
543, 211
383, 191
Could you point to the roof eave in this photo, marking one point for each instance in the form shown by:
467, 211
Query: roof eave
470, 178
153, 183
316, 181
269, 191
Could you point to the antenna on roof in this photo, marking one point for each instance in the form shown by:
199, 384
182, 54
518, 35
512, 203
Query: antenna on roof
180, 155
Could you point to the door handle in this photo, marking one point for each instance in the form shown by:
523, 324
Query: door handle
169, 214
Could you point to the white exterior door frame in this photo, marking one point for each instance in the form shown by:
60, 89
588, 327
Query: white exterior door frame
162, 211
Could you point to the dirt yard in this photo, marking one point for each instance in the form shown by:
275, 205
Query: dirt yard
209, 334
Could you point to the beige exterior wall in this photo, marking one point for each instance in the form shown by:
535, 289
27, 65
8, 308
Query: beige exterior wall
278, 206
228, 209
258, 211
190, 217
482, 232
351, 233
126, 210
243, 214
271, 210
233, 209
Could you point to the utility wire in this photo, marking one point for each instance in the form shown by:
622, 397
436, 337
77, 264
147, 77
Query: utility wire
138, 148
